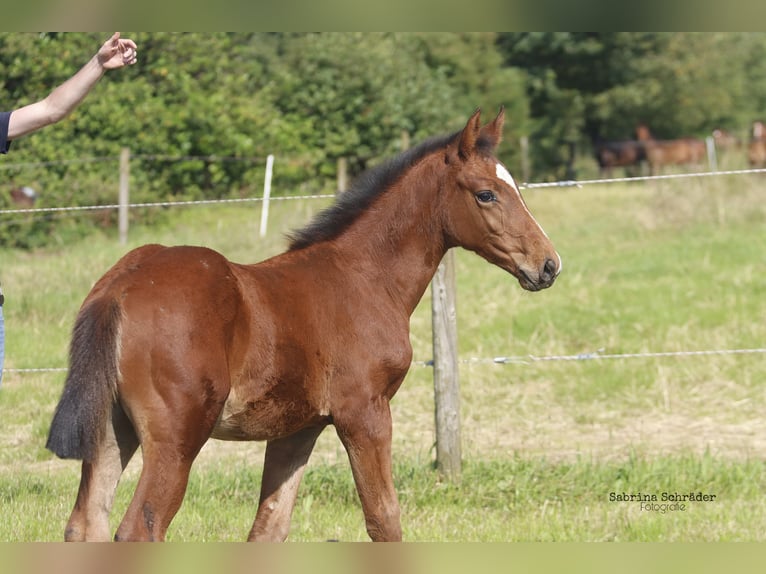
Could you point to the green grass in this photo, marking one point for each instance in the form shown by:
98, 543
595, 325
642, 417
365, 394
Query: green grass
675, 266
517, 499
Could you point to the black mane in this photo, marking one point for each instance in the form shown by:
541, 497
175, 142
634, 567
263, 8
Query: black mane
369, 185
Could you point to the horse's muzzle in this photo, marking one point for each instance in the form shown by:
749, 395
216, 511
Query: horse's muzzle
541, 278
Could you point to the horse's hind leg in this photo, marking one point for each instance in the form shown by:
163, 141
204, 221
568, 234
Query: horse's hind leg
159, 494
283, 467
170, 441
89, 520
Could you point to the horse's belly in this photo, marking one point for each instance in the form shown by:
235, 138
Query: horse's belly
264, 418
232, 428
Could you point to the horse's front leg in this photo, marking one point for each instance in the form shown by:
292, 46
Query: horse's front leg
365, 431
283, 467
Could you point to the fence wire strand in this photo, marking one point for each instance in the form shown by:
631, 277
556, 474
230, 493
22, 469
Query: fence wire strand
530, 359
164, 204
541, 185
583, 182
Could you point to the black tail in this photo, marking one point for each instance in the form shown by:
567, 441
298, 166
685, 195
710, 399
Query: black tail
90, 391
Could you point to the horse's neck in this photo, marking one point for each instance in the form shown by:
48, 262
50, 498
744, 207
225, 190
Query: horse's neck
398, 242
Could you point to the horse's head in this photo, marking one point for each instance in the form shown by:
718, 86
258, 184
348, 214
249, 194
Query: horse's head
486, 213
642, 133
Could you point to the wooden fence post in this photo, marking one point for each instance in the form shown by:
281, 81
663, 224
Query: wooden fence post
404, 137
712, 159
446, 380
266, 194
524, 143
124, 195
342, 175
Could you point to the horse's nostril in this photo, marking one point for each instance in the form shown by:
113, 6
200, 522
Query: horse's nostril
549, 269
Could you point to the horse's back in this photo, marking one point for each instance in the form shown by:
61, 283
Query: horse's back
158, 268
164, 289
124, 265
681, 151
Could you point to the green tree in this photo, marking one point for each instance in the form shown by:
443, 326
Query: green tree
354, 94
567, 76
473, 66
584, 85
307, 98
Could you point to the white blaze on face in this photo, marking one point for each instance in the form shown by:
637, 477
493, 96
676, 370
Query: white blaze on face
504, 175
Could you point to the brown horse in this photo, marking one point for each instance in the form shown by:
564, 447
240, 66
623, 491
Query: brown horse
684, 151
756, 149
725, 140
175, 345
24, 196
617, 153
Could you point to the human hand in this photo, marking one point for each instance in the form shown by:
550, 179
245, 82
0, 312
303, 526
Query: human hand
117, 52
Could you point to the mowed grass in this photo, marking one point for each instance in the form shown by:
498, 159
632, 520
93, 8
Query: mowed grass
509, 500
648, 267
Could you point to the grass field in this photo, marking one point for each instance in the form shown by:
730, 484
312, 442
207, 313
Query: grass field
648, 267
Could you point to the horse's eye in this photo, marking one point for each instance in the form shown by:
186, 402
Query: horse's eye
486, 196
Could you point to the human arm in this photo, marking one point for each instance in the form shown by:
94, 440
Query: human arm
115, 53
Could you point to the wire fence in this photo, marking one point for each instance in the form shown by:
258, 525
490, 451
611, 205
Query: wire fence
164, 204
189, 203
598, 355
641, 178
529, 359
115, 158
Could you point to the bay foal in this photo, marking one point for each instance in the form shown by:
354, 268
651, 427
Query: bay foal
175, 345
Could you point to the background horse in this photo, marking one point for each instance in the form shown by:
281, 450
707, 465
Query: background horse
684, 151
611, 154
756, 149
174, 345
725, 140
23, 196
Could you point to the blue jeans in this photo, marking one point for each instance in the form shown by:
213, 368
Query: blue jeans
2, 344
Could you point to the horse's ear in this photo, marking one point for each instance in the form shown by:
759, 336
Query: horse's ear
493, 131
470, 134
